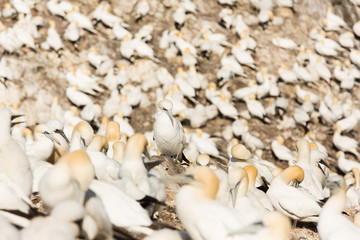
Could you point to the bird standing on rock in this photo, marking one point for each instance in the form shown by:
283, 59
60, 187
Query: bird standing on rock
169, 134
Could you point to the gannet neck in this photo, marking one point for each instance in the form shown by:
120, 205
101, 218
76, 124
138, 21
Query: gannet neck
80, 168
303, 147
239, 182
112, 131
239, 151
252, 174
209, 183
336, 203
119, 150
85, 131
292, 173
98, 143
280, 225
135, 146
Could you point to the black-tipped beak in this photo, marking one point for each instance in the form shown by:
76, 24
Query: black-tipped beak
61, 132
51, 137
324, 163
16, 116
15, 123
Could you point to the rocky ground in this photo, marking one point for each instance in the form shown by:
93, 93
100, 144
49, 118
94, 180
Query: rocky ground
40, 74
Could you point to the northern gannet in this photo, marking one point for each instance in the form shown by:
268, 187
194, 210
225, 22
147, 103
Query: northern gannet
332, 225
195, 205
291, 201
14, 162
69, 179
168, 132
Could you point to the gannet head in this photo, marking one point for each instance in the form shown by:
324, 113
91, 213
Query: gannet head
237, 176
80, 167
279, 223
252, 96
292, 173
98, 143
203, 160
112, 131
212, 86
335, 183
280, 140
303, 148
136, 145
165, 104
85, 131
239, 151
204, 178
336, 128
252, 173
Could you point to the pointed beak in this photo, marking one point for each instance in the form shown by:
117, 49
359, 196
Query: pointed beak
146, 152
169, 115
15, 123
61, 132
16, 116
233, 194
51, 137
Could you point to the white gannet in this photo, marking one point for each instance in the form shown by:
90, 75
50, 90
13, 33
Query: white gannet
310, 182
103, 13
202, 216
246, 208
291, 201
133, 176
286, 43
333, 22
332, 224
112, 134
352, 192
286, 74
142, 9
168, 132
256, 108
125, 126
72, 32
14, 162
346, 39
69, 179
123, 211
84, 21
346, 165
226, 18
77, 97
179, 17
53, 39
81, 136
106, 169
349, 123
239, 156
8, 11
257, 196
281, 151
344, 143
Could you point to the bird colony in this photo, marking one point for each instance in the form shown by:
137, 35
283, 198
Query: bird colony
188, 119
